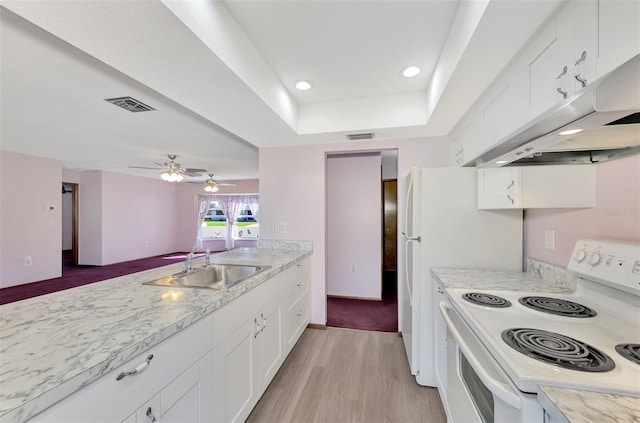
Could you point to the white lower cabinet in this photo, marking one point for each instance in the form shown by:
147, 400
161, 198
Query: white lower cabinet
528, 187
440, 332
215, 370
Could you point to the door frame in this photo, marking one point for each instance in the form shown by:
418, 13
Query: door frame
74, 220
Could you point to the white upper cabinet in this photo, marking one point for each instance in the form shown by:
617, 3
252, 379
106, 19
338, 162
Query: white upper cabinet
529, 187
456, 148
549, 62
618, 33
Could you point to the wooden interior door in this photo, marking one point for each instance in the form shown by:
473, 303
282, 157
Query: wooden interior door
390, 213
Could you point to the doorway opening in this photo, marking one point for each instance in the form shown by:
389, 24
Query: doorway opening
361, 240
69, 225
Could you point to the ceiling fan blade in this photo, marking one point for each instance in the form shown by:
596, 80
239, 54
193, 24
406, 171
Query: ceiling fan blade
188, 173
144, 167
222, 184
193, 170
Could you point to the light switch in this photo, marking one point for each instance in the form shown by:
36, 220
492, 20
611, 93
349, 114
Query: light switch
550, 239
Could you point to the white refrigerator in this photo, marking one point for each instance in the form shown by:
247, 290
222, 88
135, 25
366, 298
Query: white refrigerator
444, 228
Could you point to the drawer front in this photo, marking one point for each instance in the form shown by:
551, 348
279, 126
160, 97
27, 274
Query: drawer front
109, 400
297, 320
297, 286
298, 270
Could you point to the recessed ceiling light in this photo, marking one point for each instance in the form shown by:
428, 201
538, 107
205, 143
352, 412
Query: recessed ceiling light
303, 85
410, 71
502, 161
571, 131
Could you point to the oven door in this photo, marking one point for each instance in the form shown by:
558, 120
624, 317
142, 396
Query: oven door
478, 390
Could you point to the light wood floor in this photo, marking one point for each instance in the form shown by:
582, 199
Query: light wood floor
346, 375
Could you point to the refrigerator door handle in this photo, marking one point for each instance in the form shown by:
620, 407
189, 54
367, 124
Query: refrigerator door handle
406, 274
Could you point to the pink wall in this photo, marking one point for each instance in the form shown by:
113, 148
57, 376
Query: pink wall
28, 186
292, 191
615, 216
354, 226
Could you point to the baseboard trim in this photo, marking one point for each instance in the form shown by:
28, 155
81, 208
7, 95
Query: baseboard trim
355, 298
316, 326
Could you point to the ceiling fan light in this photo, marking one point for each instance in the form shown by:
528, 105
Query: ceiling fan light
166, 177
177, 177
211, 186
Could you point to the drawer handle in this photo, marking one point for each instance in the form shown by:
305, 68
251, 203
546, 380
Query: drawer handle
257, 324
140, 367
264, 323
439, 290
299, 284
299, 313
150, 415
299, 265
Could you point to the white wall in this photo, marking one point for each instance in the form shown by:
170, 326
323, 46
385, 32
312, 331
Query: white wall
29, 185
354, 226
292, 191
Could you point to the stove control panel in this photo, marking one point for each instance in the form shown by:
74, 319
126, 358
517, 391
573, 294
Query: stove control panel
613, 263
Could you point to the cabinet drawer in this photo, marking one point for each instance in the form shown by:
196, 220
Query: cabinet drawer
296, 288
299, 269
110, 400
297, 319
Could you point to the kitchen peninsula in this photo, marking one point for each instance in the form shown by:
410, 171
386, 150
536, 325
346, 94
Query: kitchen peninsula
56, 345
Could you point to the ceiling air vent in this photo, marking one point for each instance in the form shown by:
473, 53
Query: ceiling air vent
358, 137
130, 104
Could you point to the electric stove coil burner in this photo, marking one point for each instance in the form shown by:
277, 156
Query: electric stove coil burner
486, 300
629, 351
557, 306
557, 349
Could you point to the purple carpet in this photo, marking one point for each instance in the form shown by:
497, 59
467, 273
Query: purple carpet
73, 276
380, 316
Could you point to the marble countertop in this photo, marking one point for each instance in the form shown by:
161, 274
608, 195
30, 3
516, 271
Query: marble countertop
53, 345
573, 406
494, 280
565, 405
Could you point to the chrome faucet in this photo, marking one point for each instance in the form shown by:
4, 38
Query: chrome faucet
207, 258
188, 264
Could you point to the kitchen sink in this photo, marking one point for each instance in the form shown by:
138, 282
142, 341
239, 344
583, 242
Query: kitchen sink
214, 276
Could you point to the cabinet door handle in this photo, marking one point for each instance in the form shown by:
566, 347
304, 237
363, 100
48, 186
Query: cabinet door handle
299, 313
509, 197
140, 367
439, 290
264, 323
299, 284
511, 184
150, 415
255, 321
559, 78
299, 265
582, 58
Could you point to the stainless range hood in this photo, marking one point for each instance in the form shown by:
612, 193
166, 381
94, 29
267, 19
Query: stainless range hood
608, 112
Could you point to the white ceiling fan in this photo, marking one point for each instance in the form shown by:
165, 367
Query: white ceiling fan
211, 185
172, 171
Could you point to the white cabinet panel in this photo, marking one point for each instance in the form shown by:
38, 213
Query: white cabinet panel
456, 148
271, 341
440, 331
564, 186
549, 63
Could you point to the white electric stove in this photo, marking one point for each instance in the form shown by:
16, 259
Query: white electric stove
588, 339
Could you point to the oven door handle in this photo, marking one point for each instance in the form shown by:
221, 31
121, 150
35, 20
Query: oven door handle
501, 390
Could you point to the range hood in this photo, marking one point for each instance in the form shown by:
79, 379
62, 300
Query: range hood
608, 112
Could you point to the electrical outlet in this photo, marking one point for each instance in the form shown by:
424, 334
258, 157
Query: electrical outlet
283, 227
28, 261
146, 243
549, 239
274, 228
353, 269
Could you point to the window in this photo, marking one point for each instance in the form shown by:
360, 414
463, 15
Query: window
215, 225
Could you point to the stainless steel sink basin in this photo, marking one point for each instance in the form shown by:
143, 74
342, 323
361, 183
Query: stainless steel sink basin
215, 276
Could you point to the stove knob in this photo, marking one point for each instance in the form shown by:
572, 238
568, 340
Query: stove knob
580, 256
595, 259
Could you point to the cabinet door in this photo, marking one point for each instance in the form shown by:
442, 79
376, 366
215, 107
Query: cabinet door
234, 374
547, 56
499, 188
585, 51
619, 33
271, 342
456, 149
